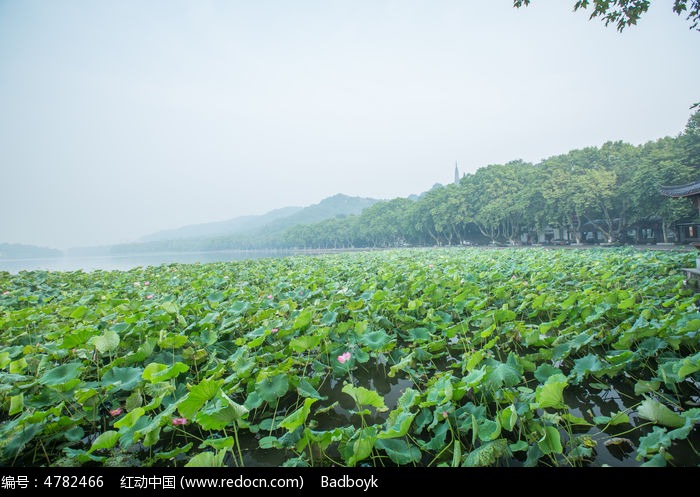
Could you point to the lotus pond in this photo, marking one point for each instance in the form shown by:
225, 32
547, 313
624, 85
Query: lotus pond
432, 357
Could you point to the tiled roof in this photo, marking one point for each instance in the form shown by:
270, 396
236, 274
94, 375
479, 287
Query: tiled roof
681, 190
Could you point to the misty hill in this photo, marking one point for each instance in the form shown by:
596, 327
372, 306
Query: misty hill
229, 227
21, 251
338, 205
248, 231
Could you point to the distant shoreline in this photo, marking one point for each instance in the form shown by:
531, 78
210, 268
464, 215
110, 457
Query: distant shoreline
126, 262
290, 251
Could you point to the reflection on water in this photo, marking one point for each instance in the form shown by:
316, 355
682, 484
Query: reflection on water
620, 396
373, 377
130, 261
583, 402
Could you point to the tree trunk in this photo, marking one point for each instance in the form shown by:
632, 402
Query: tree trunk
576, 227
434, 237
664, 230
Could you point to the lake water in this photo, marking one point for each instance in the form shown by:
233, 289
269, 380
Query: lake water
130, 261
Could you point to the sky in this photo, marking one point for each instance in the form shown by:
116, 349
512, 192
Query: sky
123, 118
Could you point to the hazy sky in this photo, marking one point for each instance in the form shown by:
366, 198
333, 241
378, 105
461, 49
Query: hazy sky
121, 118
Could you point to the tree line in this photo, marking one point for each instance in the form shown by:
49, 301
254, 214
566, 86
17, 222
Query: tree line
608, 189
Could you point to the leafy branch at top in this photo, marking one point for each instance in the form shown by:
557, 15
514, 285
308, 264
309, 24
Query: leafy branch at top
624, 13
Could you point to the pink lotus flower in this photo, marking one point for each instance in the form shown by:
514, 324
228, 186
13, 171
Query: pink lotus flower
6, 292
179, 421
444, 414
116, 412
344, 357
146, 283
149, 297
269, 296
431, 266
274, 330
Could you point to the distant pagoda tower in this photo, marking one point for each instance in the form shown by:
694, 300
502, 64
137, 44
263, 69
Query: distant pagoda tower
456, 173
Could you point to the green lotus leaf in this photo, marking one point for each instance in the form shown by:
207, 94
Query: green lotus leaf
207, 460
177, 451
172, 341
653, 442
365, 397
419, 334
219, 413
16, 404
399, 451
397, 424
550, 443
486, 454
304, 343
298, 417
544, 371
18, 366
216, 297
488, 430
360, 446
588, 364
122, 378
408, 399
79, 312
107, 342
271, 389
305, 389
508, 417
16, 440
375, 340
503, 374
130, 418
156, 372
656, 412
106, 440
329, 318
303, 320
219, 443
4, 359
197, 396
61, 375
551, 394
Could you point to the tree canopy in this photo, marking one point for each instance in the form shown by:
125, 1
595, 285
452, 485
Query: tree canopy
612, 190
625, 13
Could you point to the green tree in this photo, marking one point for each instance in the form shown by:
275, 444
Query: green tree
577, 188
423, 216
501, 196
386, 223
624, 13
620, 161
661, 165
690, 143
445, 213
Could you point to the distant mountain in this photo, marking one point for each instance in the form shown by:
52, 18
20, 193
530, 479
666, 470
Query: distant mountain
336, 206
93, 251
245, 232
21, 251
222, 228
